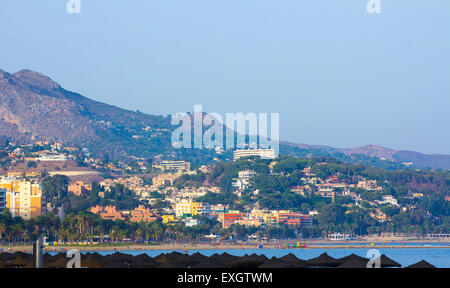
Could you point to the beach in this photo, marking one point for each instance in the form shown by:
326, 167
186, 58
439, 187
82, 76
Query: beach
225, 246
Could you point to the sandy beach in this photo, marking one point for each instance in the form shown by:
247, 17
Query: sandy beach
166, 247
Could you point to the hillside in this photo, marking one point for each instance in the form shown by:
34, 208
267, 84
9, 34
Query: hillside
33, 107
385, 157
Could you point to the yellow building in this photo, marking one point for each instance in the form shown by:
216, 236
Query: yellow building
174, 165
24, 199
168, 218
191, 208
163, 179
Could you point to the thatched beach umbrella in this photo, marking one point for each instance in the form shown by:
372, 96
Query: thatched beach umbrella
224, 257
143, 261
289, 258
421, 264
275, 263
294, 261
197, 257
116, 264
353, 257
20, 260
93, 260
210, 264
171, 265
387, 262
247, 261
142, 257
353, 263
169, 257
324, 260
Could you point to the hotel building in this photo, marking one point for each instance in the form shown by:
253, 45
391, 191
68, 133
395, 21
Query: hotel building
263, 153
24, 199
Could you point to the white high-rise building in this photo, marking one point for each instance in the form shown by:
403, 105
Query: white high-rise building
263, 153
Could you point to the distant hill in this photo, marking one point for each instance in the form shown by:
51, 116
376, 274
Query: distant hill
34, 107
390, 157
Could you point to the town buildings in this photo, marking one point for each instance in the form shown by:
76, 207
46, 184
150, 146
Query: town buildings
370, 185
191, 209
242, 182
79, 188
263, 153
142, 214
108, 213
174, 165
2, 198
23, 198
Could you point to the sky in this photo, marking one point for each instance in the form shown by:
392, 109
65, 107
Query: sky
337, 75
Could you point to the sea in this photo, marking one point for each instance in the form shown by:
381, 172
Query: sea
405, 255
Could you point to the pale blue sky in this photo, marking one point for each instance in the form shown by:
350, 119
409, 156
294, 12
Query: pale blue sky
336, 74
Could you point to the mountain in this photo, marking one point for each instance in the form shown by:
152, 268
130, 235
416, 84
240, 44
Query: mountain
390, 157
33, 107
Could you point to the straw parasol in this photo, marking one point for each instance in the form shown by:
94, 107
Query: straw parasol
171, 265
421, 264
247, 261
224, 257
94, 260
275, 263
143, 261
197, 257
210, 264
116, 264
353, 263
353, 257
324, 260
58, 260
289, 258
20, 260
387, 262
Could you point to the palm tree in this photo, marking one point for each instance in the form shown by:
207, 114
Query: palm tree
2, 230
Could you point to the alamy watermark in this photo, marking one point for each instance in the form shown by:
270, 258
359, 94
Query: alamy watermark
375, 258
372, 7
75, 258
237, 131
73, 7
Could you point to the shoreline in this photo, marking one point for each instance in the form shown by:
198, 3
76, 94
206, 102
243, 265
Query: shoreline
170, 247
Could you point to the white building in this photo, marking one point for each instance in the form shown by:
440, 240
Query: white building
389, 199
243, 181
263, 153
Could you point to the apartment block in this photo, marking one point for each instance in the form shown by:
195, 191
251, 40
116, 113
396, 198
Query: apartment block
142, 214
24, 199
263, 153
192, 208
79, 188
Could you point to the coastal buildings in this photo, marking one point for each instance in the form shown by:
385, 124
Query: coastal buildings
2, 198
370, 185
174, 165
108, 212
258, 218
164, 179
79, 188
23, 198
263, 153
289, 218
228, 219
242, 182
191, 209
142, 214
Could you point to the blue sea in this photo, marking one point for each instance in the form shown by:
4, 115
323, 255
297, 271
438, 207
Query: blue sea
439, 257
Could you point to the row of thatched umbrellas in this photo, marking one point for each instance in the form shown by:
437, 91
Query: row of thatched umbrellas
197, 260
